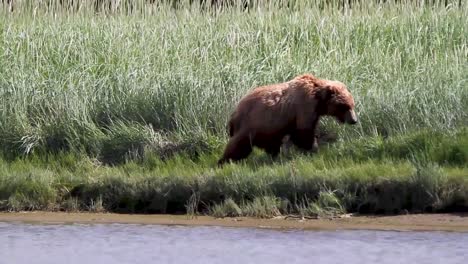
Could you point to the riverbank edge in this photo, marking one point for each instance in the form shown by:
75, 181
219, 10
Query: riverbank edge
411, 222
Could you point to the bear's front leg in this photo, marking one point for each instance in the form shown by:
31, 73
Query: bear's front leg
305, 139
273, 150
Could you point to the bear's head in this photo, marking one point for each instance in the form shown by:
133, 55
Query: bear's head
335, 100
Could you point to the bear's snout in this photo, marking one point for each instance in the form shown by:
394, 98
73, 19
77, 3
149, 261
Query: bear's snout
351, 117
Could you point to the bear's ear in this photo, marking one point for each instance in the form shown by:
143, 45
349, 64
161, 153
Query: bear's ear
325, 93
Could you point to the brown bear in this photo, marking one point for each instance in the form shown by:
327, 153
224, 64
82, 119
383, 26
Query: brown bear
269, 113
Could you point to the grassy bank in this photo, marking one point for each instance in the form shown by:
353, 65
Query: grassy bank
424, 172
128, 113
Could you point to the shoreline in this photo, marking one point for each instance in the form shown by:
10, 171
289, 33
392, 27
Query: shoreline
411, 222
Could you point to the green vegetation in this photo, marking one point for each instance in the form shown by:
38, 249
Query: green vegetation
127, 113
422, 172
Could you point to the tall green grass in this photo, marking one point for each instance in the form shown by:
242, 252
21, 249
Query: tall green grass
150, 92
102, 84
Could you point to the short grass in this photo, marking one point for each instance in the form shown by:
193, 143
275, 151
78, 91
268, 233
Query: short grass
415, 173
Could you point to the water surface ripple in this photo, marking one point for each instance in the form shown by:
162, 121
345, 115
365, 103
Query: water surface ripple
119, 243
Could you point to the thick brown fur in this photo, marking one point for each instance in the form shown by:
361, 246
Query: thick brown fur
268, 113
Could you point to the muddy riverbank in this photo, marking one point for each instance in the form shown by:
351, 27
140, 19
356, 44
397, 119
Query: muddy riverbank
416, 222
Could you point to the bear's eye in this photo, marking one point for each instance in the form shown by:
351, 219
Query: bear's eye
342, 107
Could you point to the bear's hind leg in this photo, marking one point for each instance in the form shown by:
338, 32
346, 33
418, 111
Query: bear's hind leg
238, 147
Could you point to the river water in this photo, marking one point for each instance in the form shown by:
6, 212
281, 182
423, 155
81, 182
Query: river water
119, 243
